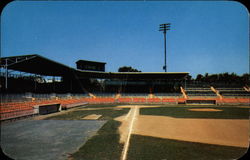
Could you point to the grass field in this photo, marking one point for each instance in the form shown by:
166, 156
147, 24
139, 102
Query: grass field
107, 114
151, 148
100, 105
105, 144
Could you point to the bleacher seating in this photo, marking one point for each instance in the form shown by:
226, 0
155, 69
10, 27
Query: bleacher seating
168, 94
10, 110
200, 92
233, 92
104, 94
134, 94
26, 106
15, 109
124, 100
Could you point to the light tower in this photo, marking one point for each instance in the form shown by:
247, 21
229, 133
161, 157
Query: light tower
164, 28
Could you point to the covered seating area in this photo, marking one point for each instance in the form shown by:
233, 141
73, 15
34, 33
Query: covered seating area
22, 93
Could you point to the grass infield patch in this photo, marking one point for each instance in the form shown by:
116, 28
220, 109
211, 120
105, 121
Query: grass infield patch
183, 112
151, 148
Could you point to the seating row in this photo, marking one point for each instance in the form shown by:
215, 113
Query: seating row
18, 109
199, 92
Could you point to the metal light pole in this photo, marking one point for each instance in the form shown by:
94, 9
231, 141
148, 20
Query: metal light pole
164, 28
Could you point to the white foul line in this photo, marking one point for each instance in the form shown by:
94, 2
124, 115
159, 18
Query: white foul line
125, 149
129, 113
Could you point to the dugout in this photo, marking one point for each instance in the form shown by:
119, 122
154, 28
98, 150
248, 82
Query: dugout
50, 108
201, 101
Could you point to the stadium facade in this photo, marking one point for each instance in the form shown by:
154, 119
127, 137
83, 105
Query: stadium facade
79, 80
26, 91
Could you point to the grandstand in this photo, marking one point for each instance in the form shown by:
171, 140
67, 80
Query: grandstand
201, 92
24, 95
234, 92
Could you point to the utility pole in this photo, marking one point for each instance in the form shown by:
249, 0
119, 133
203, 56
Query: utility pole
164, 28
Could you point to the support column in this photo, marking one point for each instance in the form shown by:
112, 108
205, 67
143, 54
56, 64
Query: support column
184, 93
6, 74
246, 89
216, 92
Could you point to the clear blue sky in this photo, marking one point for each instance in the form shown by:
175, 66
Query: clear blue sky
210, 37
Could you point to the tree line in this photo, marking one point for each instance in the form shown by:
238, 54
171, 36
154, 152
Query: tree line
225, 78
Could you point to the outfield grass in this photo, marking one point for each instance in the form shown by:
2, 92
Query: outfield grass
100, 105
183, 112
107, 114
151, 148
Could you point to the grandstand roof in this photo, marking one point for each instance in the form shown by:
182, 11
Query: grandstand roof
37, 64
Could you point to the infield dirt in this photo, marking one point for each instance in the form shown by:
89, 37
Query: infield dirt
227, 132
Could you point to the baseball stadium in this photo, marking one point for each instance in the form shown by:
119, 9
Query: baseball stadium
88, 114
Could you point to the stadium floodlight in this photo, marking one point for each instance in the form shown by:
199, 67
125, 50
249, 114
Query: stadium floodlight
165, 27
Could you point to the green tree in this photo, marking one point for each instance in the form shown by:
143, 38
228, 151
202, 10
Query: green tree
199, 77
127, 69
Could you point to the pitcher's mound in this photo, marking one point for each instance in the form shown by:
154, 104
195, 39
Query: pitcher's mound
92, 117
205, 109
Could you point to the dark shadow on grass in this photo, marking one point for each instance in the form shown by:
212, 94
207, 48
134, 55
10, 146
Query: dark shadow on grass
103, 146
151, 148
183, 112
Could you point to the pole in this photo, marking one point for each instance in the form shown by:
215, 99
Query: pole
164, 28
165, 52
35, 82
6, 74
